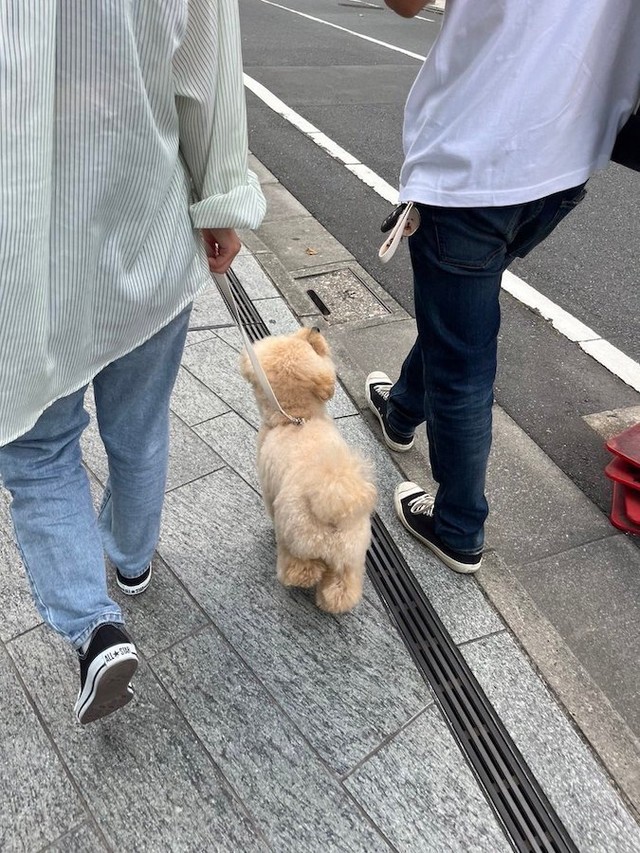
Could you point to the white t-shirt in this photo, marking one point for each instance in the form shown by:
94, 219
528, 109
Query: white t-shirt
519, 99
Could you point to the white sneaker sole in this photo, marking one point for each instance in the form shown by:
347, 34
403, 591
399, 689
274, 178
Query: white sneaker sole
138, 588
376, 378
106, 687
450, 562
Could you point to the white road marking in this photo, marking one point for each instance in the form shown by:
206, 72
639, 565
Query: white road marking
370, 178
345, 30
615, 361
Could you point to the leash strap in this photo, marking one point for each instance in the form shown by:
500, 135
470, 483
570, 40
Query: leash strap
406, 224
222, 283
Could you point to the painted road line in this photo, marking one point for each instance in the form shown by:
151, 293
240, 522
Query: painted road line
566, 324
364, 173
345, 30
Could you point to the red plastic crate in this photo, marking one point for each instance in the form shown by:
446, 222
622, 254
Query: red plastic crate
624, 471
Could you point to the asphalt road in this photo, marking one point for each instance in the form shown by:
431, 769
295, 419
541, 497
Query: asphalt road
354, 91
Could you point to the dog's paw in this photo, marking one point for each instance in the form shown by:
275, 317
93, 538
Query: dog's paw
300, 573
337, 596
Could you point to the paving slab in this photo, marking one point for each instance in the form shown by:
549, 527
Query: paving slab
189, 456
166, 615
602, 581
301, 242
255, 282
563, 764
216, 365
281, 204
423, 765
147, 780
235, 441
346, 682
292, 796
80, 840
277, 316
193, 402
209, 308
38, 802
16, 602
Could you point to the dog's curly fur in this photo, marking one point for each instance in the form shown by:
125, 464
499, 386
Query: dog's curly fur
318, 492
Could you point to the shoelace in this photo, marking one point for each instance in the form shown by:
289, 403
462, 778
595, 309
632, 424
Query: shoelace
422, 505
383, 391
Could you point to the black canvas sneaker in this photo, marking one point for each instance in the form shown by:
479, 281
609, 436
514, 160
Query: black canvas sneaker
134, 586
107, 664
376, 390
415, 510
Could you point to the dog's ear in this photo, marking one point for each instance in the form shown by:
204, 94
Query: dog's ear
319, 342
324, 384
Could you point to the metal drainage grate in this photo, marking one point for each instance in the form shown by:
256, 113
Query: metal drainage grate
527, 817
523, 810
253, 323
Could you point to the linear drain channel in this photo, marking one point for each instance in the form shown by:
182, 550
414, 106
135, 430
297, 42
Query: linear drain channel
525, 814
253, 323
527, 817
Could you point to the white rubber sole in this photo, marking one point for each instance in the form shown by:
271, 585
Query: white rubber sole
106, 687
138, 588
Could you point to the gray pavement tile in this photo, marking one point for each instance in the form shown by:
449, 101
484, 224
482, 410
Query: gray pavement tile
592, 592
277, 315
197, 337
295, 800
302, 242
209, 308
16, 603
535, 509
189, 456
83, 839
261, 171
346, 681
341, 405
281, 204
147, 780
217, 365
193, 402
255, 282
37, 800
236, 442
231, 337
420, 791
571, 777
458, 600
162, 615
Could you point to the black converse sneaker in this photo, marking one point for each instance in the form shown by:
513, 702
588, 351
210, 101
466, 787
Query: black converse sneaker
376, 390
415, 510
108, 661
134, 586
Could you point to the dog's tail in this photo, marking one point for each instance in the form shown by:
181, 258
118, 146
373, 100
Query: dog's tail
348, 492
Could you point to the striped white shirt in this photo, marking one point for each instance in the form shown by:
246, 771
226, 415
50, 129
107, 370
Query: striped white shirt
113, 118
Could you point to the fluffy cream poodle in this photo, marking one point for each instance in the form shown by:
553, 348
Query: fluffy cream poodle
318, 492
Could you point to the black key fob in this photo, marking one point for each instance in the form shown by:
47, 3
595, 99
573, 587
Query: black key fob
392, 218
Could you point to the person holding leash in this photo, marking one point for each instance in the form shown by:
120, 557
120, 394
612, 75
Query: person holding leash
123, 174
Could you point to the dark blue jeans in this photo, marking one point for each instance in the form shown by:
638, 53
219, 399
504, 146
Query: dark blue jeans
458, 257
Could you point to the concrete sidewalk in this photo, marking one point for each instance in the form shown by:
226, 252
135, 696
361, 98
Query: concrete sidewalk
261, 723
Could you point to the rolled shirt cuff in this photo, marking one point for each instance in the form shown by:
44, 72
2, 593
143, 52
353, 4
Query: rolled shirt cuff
242, 207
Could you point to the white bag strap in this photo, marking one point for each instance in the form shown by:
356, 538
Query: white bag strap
223, 286
407, 224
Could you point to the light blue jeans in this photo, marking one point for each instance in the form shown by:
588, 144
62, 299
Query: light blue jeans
61, 541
